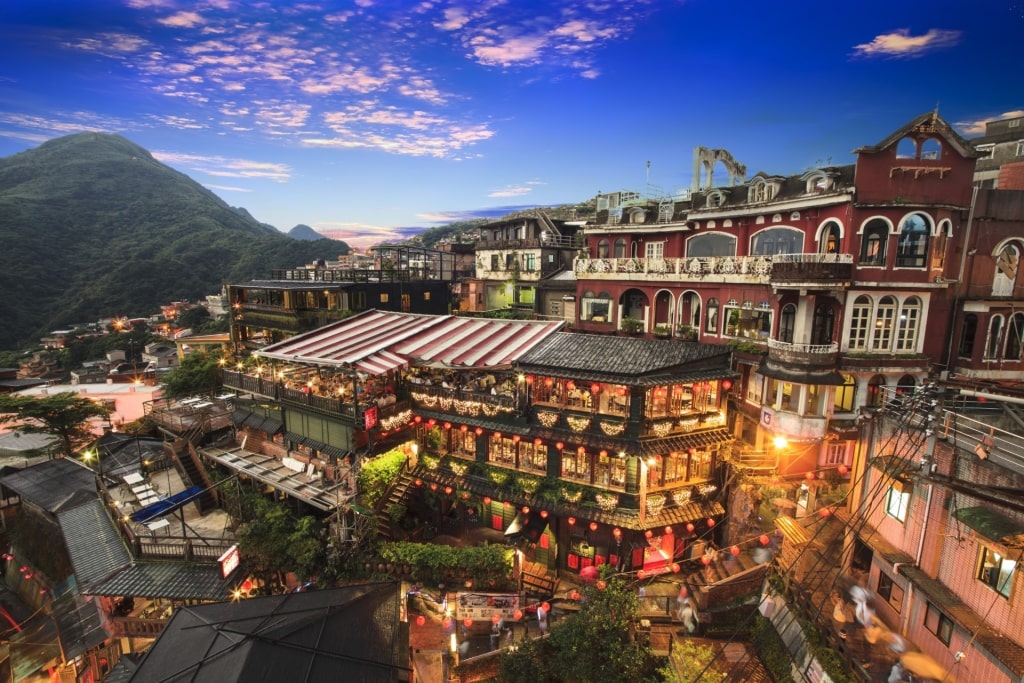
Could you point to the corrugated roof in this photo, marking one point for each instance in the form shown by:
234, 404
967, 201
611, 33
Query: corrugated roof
49, 485
167, 580
94, 545
992, 525
476, 342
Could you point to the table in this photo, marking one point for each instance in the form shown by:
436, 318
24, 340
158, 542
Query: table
157, 525
133, 478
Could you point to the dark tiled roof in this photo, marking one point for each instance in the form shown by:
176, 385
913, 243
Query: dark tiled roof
50, 484
959, 143
352, 633
95, 547
167, 580
1007, 652
599, 357
298, 285
681, 442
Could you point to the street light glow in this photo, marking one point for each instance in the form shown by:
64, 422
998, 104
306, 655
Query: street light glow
780, 442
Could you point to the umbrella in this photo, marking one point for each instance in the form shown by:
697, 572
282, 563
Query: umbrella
920, 664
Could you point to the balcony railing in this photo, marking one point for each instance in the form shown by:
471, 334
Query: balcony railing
811, 268
136, 627
808, 349
747, 269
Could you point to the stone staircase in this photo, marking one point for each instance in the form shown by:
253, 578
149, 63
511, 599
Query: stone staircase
396, 493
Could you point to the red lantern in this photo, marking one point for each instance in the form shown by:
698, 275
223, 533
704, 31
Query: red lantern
570, 385
649, 533
447, 425
621, 391
478, 431
668, 531
419, 482
464, 428
689, 527
735, 550
809, 475
546, 606
246, 586
529, 379
526, 509
593, 526
604, 454
559, 445
595, 388
448, 490
433, 486
538, 441
683, 592
641, 575
495, 618
726, 384
601, 585
825, 512
465, 495
581, 450
617, 533
516, 438
418, 419
543, 514
507, 503
446, 623
497, 435
517, 615
711, 522
431, 422
763, 538
843, 469
467, 622
706, 560
487, 500
572, 521
548, 382
675, 567
575, 595
421, 620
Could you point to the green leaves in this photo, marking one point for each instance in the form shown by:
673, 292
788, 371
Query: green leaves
63, 415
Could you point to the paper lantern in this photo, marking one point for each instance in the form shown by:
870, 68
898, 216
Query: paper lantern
548, 382
595, 388
572, 521
825, 512
497, 435
419, 482
809, 475
448, 490
559, 445
487, 500
763, 538
433, 486
726, 384
446, 623
706, 560
518, 614
593, 526
246, 586
581, 450
516, 438
735, 550
575, 595
529, 379
417, 419
507, 503
683, 592
843, 469
467, 622
495, 618
447, 425
649, 533
711, 522
570, 385
526, 509
478, 431
431, 422
601, 585
588, 574
641, 574
675, 567
546, 606
689, 527
421, 620
463, 428
538, 441
668, 531
617, 533
543, 514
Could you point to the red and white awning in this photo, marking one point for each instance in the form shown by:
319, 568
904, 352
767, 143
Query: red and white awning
381, 363
475, 342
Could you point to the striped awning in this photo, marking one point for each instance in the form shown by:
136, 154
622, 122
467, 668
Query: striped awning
476, 342
381, 363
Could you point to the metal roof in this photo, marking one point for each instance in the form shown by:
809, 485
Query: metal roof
51, 484
167, 580
94, 544
377, 342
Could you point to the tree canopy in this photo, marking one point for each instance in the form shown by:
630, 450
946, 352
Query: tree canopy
198, 373
64, 415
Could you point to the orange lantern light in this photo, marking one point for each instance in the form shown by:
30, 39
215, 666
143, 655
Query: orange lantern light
649, 533
448, 490
543, 514
617, 533
641, 574
487, 500
463, 428
843, 469
763, 538
431, 422
575, 595
495, 618
433, 486
601, 585
497, 435
467, 622
675, 567
546, 606
529, 379
668, 530
726, 384
516, 438
570, 385
572, 521
419, 482
825, 512
706, 560
549, 382
689, 527
711, 522
683, 592
526, 509
421, 620
809, 475
446, 622
447, 425
593, 526
518, 614
735, 550
559, 445
478, 431
538, 441
595, 388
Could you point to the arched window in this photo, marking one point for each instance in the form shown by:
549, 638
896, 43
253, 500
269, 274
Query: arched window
931, 149
1014, 337
876, 390
845, 395
905, 388
910, 321
715, 244
912, 246
860, 320
602, 248
829, 241
968, 332
711, 321
620, 248
777, 241
1006, 271
823, 325
881, 337
907, 149
995, 331
872, 243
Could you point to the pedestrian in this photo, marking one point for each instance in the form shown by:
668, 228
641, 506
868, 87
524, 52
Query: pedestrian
542, 619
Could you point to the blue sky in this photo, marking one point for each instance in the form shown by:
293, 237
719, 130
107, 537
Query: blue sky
364, 119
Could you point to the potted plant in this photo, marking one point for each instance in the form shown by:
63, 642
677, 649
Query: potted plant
686, 332
662, 330
632, 325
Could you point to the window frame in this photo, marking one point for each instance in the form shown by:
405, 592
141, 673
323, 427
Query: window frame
985, 575
938, 624
900, 510
913, 241
875, 232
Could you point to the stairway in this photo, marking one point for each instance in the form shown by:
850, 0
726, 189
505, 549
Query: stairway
397, 493
191, 469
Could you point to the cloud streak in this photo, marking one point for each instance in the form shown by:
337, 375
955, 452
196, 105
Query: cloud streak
900, 44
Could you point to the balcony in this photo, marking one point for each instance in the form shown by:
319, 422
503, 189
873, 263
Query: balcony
806, 357
812, 270
714, 269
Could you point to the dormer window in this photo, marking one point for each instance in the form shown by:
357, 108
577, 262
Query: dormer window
818, 182
715, 199
762, 190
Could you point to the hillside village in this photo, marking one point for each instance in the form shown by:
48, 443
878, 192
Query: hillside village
777, 411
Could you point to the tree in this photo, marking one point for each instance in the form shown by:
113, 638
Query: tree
63, 415
597, 643
193, 318
198, 373
689, 663
276, 542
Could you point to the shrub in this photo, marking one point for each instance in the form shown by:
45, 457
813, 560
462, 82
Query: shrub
377, 474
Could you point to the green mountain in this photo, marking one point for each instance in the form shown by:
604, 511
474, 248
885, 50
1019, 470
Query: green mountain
91, 226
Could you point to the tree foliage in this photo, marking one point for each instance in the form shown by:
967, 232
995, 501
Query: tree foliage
198, 373
691, 662
64, 415
376, 475
598, 643
274, 541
